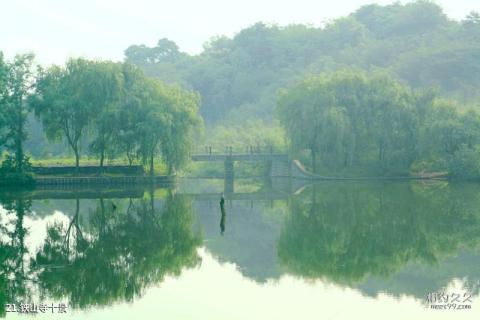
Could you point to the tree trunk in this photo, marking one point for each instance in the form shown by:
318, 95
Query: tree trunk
102, 158
314, 160
21, 208
152, 199
381, 154
18, 139
19, 154
77, 161
103, 219
152, 173
130, 159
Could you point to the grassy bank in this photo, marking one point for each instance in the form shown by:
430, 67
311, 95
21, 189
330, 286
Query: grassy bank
160, 167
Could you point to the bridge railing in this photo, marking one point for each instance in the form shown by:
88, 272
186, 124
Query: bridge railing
250, 149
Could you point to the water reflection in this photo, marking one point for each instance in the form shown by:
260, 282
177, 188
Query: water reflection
125, 246
223, 215
398, 238
346, 232
13, 275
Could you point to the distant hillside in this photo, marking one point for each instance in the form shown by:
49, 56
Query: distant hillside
238, 78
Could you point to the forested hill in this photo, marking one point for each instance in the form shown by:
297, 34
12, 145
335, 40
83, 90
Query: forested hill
239, 77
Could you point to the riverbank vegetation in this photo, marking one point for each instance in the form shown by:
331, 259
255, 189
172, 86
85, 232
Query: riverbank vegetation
373, 122
112, 109
15, 83
386, 90
431, 92
126, 113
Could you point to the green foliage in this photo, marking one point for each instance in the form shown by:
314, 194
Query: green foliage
107, 99
354, 121
450, 139
416, 42
465, 163
241, 136
181, 123
3, 96
10, 165
394, 20
120, 110
65, 100
165, 51
15, 82
168, 121
349, 118
116, 112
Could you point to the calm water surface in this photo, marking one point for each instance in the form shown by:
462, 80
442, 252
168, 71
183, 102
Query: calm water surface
280, 250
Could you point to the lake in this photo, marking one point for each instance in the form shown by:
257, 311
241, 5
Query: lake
279, 250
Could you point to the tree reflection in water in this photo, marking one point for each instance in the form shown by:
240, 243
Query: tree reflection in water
342, 232
125, 247
345, 232
13, 273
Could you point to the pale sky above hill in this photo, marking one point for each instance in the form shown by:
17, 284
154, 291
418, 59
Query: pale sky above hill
57, 29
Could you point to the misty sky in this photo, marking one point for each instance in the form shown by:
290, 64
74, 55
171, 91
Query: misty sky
57, 29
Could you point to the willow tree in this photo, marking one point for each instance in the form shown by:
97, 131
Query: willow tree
354, 118
69, 99
123, 110
108, 94
129, 113
306, 111
169, 117
183, 123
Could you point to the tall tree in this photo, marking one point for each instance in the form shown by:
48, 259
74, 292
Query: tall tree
129, 114
109, 84
3, 95
18, 78
169, 118
183, 123
68, 100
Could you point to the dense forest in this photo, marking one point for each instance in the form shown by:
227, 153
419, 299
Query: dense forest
350, 121
238, 78
397, 90
385, 90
